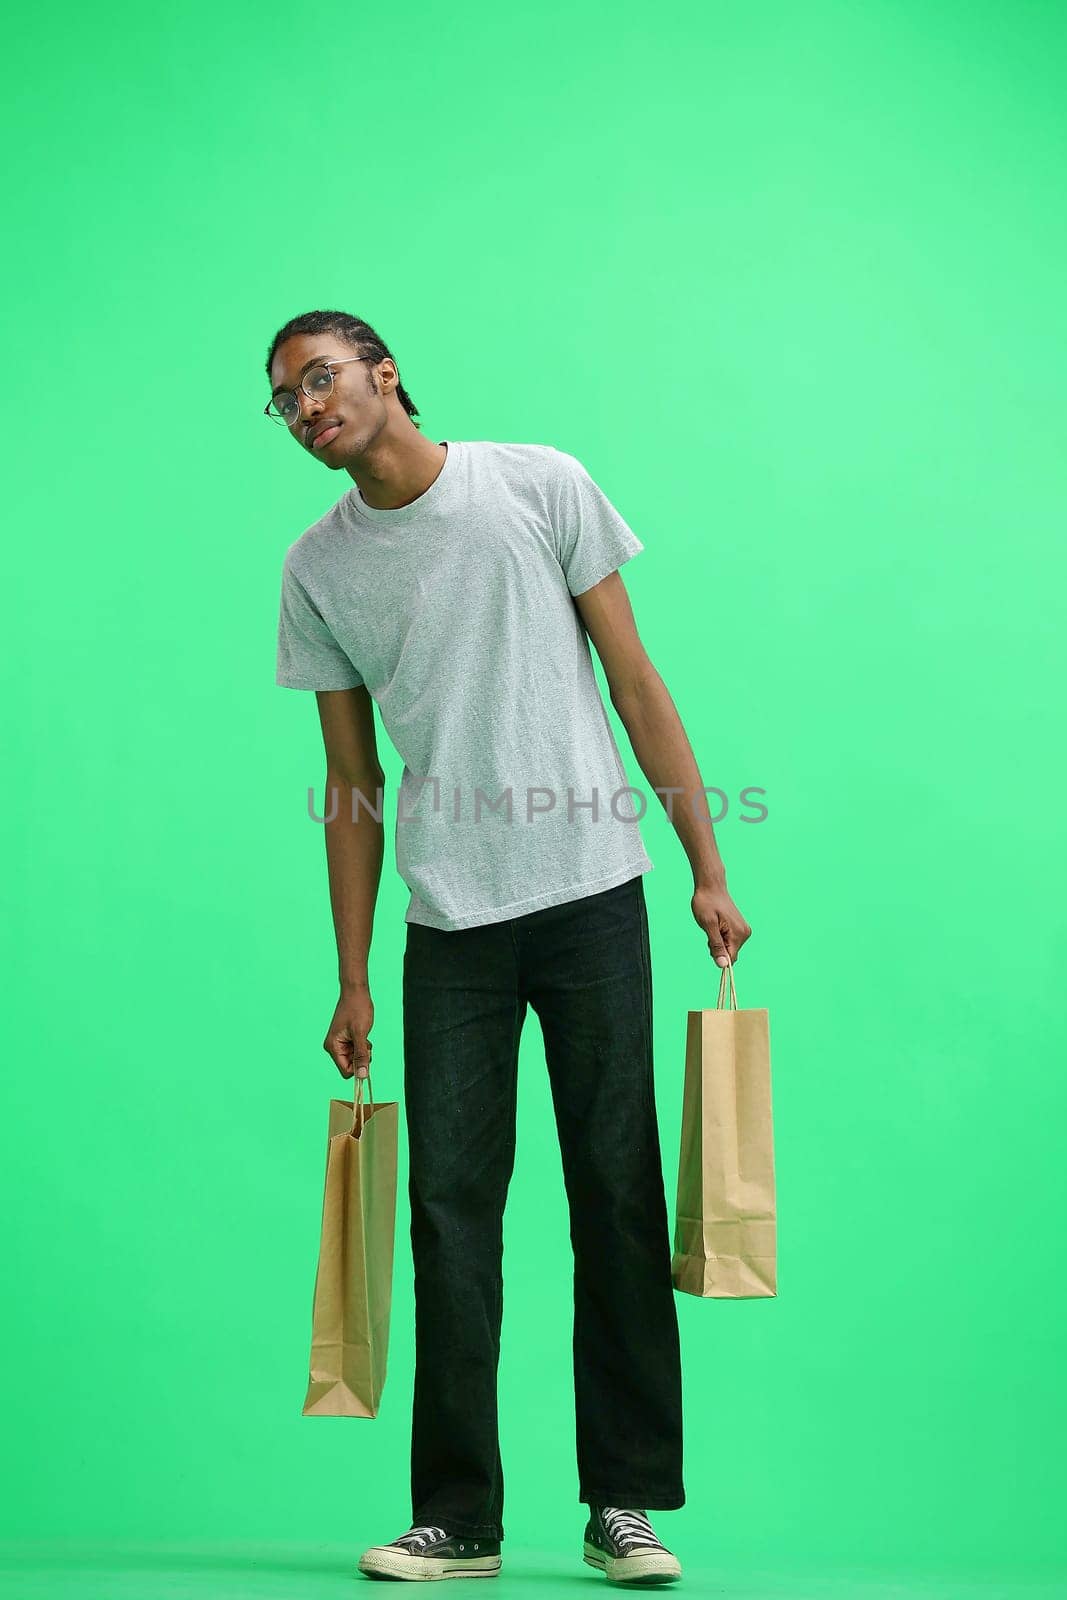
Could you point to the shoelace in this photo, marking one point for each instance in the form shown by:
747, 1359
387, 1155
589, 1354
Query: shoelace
418, 1537
628, 1528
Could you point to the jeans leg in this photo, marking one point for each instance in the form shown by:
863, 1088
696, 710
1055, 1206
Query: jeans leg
463, 1017
589, 978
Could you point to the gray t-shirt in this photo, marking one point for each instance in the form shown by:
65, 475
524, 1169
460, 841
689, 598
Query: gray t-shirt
456, 611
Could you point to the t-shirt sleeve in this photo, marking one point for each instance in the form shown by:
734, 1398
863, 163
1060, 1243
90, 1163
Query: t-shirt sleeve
592, 538
309, 657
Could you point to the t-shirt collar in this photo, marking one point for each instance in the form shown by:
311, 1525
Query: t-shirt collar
427, 501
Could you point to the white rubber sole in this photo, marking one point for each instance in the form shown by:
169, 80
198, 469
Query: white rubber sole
657, 1566
381, 1562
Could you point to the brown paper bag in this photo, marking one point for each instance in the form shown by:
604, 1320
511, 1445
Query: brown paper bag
354, 1280
725, 1240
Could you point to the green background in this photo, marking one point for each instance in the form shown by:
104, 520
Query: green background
789, 281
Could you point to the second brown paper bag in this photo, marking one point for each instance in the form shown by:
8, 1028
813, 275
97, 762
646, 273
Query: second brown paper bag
725, 1234
354, 1279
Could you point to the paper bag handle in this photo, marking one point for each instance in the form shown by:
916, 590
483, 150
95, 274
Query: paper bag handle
729, 968
359, 1106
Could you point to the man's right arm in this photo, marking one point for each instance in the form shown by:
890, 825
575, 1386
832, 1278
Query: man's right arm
354, 849
354, 853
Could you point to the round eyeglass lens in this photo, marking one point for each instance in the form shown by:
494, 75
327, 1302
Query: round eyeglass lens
318, 382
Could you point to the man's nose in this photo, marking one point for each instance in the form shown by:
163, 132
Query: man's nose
310, 407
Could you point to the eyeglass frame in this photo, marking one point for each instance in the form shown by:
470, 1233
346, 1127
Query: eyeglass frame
334, 361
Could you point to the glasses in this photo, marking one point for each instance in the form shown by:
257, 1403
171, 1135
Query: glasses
317, 384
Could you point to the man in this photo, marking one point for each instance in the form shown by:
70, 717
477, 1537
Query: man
457, 584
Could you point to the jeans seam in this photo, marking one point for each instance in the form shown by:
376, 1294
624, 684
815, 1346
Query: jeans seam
643, 1499
646, 978
468, 1530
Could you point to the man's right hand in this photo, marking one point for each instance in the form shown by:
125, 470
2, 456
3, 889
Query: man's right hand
346, 1040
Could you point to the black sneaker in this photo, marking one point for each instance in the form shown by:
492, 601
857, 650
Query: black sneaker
625, 1548
431, 1552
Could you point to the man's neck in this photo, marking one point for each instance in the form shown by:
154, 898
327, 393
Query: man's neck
393, 474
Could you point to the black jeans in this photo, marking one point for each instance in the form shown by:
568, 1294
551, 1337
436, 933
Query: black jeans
585, 967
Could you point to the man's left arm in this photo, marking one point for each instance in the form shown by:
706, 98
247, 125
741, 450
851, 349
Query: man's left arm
659, 741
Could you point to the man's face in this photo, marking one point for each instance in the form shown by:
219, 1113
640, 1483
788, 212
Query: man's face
341, 424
